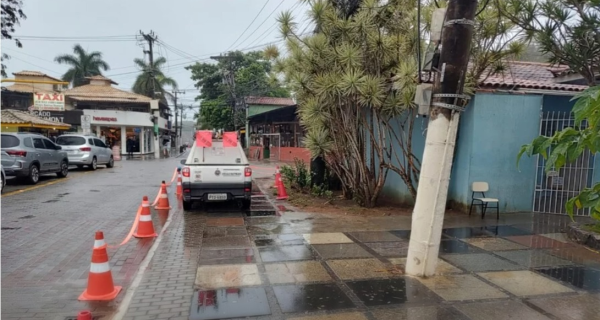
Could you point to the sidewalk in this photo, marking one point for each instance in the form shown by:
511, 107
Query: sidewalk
295, 265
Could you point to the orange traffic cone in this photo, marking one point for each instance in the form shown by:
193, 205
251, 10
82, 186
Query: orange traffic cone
84, 315
100, 285
179, 189
277, 177
145, 227
163, 200
281, 193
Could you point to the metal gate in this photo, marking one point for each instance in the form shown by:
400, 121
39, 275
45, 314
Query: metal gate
274, 143
555, 188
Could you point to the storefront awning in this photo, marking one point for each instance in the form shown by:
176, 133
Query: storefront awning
20, 119
283, 114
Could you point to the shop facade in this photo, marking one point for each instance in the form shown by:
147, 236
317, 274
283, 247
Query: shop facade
277, 135
130, 131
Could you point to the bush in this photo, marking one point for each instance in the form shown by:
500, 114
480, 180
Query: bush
298, 178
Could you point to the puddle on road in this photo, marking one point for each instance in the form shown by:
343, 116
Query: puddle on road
311, 297
229, 303
581, 277
506, 231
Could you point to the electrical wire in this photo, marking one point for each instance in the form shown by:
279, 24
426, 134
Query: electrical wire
265, 20
35, 65
270, 29
248, 27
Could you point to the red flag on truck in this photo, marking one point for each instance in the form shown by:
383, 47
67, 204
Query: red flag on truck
230, 139
204, 139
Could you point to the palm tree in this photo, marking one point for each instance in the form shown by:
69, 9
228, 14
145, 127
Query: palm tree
83, 64
144, 83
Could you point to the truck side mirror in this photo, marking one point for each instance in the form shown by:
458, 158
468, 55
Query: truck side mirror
182, 161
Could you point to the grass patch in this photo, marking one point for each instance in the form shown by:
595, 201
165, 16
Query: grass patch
592, 227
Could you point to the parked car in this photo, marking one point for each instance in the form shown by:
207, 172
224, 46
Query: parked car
86, 150
9, 163
3, 178
34, 154
216, 174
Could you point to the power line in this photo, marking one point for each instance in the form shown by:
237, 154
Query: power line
248, 27
270, 14
33, 64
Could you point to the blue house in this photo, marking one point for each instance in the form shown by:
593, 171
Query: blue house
508, 111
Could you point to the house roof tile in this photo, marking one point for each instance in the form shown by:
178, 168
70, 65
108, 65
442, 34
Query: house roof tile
104, 93
26, 87
34, 74
270, 101
20, 117
530, 75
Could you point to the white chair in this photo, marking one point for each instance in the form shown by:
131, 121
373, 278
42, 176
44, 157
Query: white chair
483, 201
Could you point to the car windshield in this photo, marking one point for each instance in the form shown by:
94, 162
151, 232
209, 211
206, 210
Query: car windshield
9, 141
70, 141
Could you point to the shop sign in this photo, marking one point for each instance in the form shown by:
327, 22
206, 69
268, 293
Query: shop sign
106, 119
86, 124
70, 117
49, 101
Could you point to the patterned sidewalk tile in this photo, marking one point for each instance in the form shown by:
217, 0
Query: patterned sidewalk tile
296, 272
461, 287
524, 283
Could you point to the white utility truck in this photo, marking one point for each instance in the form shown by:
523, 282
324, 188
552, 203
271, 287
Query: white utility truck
216, 174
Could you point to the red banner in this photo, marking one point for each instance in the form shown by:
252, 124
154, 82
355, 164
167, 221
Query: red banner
204, 139
230, 139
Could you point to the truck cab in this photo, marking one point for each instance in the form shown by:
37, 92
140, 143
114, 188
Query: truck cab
216, 174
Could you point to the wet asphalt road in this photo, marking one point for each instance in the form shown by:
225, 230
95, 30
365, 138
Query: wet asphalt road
48, 232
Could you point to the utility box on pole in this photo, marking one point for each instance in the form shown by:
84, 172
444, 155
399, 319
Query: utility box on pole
423, 98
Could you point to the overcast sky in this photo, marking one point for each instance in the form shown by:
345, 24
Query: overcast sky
190, 30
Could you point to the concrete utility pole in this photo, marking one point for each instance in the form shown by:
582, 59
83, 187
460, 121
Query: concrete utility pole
177, 136
151, 38
448, 102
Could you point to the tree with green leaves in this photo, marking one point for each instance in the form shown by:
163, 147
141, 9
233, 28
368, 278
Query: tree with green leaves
253, 77
355, 80
152, 79
356, 77
12, 14
83, 64
567, 30
568, 145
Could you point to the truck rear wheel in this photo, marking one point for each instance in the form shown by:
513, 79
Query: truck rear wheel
246, 204
187, 205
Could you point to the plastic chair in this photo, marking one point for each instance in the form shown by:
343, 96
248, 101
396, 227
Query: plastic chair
483, 201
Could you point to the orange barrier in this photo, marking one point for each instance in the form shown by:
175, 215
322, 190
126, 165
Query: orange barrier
145, 226
100, 285
132, 230
172, 178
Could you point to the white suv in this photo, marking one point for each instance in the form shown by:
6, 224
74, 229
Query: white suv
86, 150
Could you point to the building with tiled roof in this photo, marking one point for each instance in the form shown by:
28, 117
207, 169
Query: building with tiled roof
100, 91
21, 119
269, 101
527, 76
